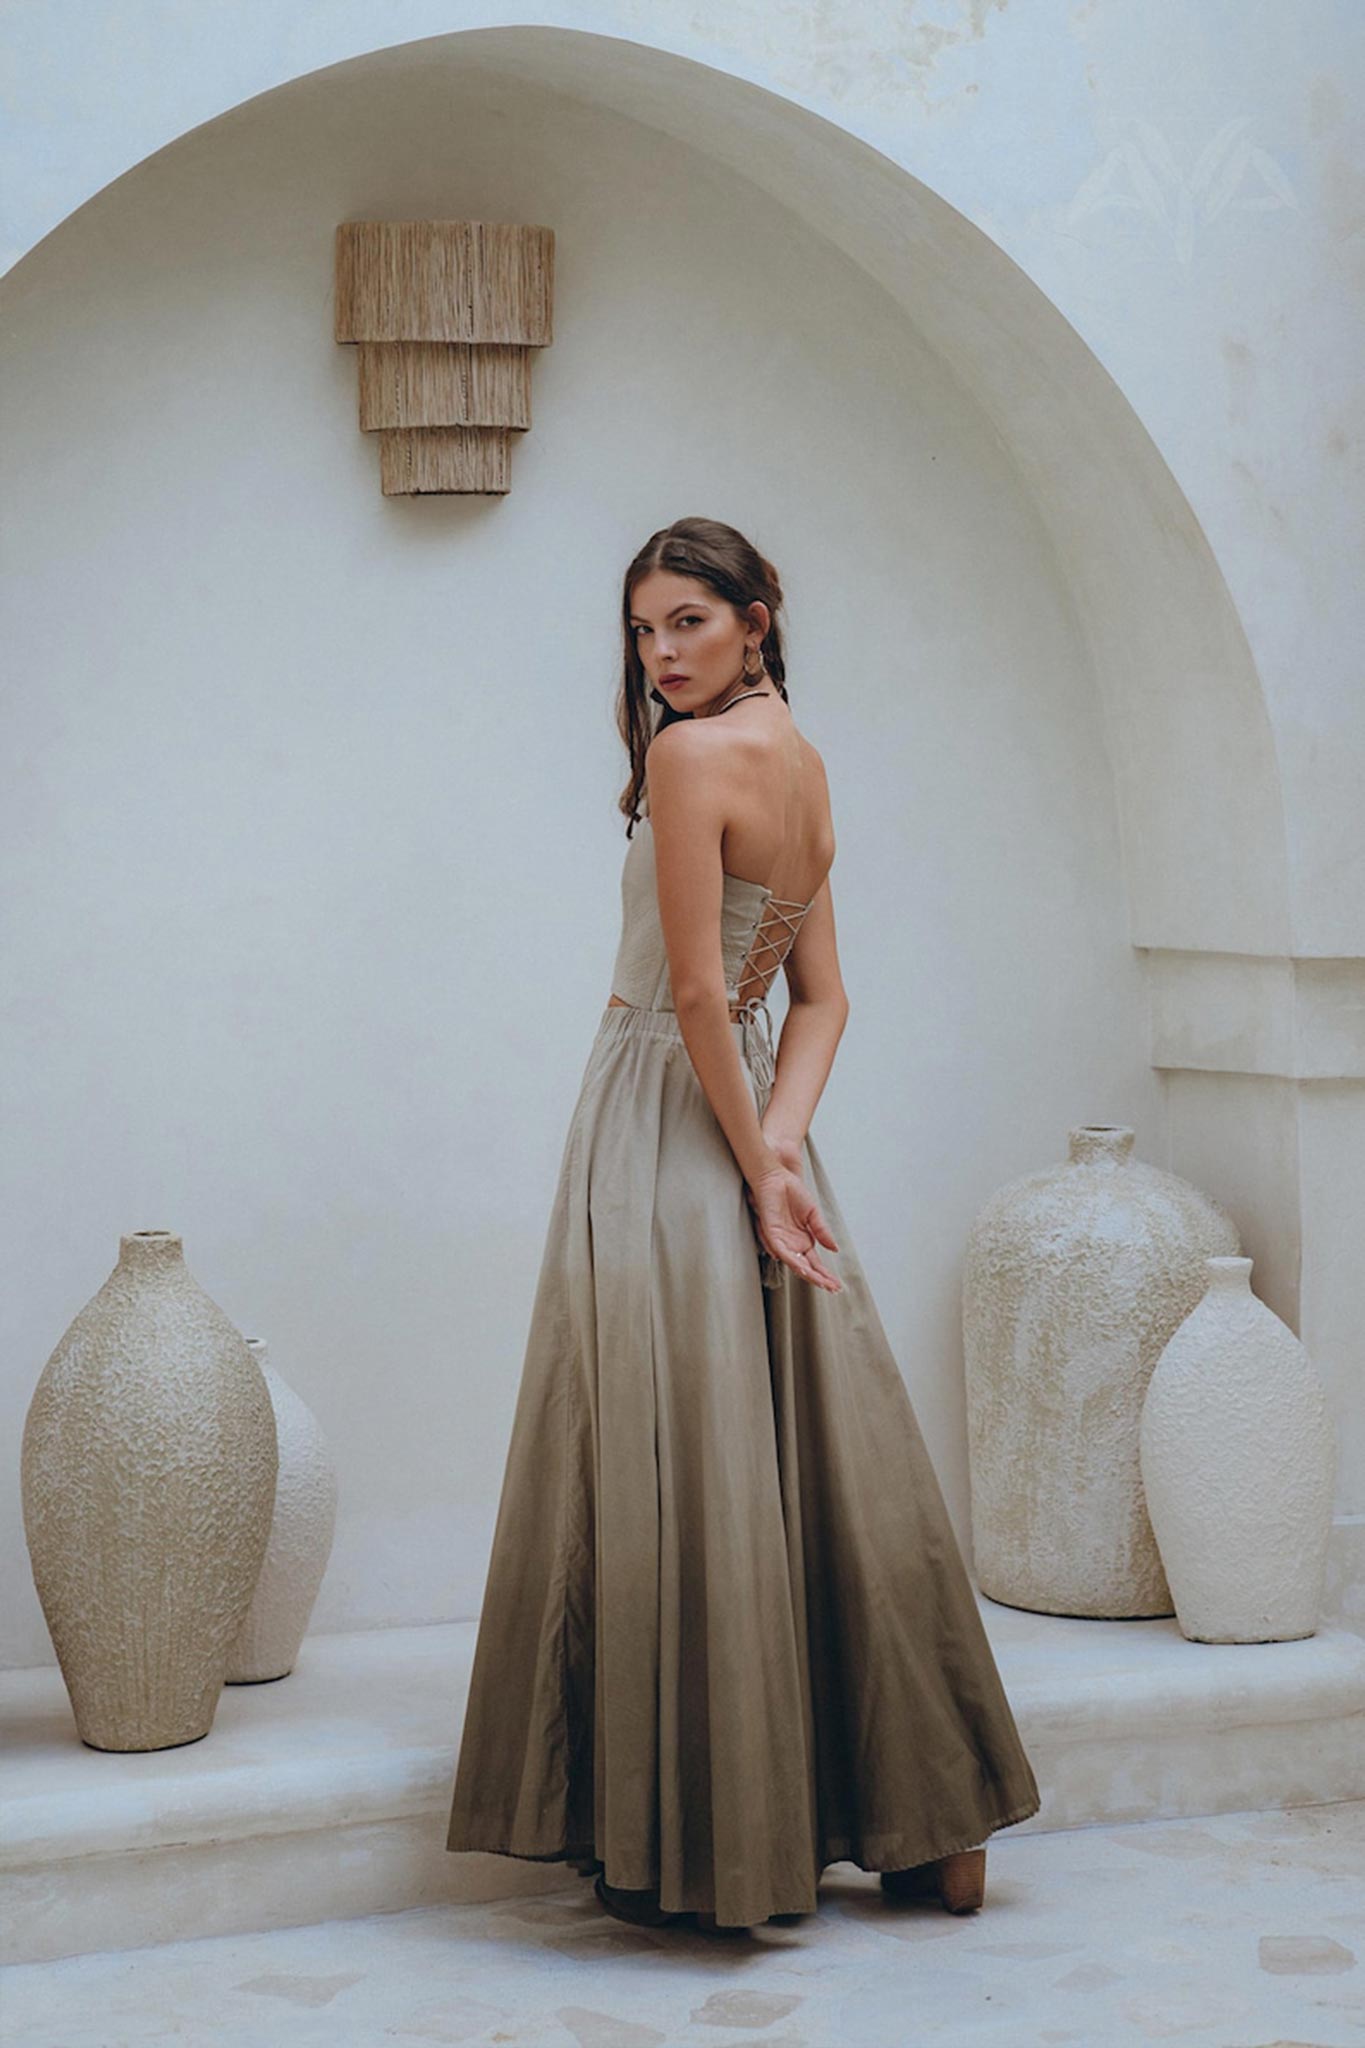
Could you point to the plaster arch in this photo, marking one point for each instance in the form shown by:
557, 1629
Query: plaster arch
1189, 740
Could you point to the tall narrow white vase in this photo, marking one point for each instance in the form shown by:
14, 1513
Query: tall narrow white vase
1238, 1454
301, 1531
148, 1478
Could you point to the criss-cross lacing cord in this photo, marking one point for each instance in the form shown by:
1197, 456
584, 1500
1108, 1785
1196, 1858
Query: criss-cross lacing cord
775, 918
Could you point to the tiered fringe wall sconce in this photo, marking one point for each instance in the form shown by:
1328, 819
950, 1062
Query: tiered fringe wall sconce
445, 314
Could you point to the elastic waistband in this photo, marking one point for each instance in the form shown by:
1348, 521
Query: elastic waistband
629, 1020
753, 1029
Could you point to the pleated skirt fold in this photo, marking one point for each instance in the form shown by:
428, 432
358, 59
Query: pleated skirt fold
727, 1634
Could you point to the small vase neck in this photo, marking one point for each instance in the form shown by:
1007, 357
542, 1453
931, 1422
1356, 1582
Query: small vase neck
150, 1249
1099, 1144
1229, 1275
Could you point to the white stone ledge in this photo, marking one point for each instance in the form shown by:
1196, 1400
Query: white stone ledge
1161, 1678
248, 1801
363, 1729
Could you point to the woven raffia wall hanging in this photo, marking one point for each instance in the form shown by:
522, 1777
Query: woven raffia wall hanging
445, 314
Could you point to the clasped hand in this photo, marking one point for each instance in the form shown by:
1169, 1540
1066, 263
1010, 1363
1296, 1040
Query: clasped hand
788, 1220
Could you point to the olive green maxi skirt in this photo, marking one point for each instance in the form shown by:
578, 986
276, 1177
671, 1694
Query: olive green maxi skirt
728, 1636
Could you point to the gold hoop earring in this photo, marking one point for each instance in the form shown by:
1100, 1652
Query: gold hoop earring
762, 668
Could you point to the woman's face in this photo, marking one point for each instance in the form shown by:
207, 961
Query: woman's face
683, 629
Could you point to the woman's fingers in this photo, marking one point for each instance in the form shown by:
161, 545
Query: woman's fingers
820, 1276
816, 1266
808, 1264
789, 1225
818, 1227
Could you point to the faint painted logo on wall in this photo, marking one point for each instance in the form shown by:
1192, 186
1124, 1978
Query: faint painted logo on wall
1142, 175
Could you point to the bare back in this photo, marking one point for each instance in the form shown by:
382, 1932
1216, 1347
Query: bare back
777, 847
781, 833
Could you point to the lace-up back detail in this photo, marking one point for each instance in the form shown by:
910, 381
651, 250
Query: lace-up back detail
773, 939
757, 931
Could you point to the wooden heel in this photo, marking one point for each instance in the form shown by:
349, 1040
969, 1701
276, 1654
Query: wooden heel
959, 1880
962, 1880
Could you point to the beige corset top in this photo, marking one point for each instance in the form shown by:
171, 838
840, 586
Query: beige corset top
757, 931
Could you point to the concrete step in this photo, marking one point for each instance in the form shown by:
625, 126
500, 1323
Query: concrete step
325, 1795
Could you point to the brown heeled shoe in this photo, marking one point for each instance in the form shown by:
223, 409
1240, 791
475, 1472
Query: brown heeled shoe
959, 1880
640, 1909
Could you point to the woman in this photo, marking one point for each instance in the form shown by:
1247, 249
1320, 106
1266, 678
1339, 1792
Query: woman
728, 1636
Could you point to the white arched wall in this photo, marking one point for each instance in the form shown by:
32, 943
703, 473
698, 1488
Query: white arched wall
1141, 617
1191, 748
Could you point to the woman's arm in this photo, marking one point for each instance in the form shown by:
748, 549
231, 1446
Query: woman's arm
805, 1053
688, 809
814, 1024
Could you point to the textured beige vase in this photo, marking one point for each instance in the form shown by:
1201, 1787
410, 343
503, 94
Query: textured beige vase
1238, 1454
1074, 1279
148, 1477
301, 1531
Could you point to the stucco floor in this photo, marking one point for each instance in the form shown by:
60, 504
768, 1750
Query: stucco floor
1239, 1930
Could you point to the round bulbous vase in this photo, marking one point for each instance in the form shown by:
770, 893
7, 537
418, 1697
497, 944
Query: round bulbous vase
1073, 1280
1238, 1454
301, 1532
147, 1473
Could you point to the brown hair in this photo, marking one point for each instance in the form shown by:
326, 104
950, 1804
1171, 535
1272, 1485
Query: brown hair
721, 557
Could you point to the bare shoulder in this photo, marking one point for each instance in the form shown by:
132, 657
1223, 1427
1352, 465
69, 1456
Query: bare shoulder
675, 757
677, 741
685, 797
721, 763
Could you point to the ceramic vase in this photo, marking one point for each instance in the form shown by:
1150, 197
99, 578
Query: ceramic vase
301, 1531
1074, 1279
148, 1478
1238, 1454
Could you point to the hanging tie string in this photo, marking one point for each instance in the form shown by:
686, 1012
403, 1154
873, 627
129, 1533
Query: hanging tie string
756, 1036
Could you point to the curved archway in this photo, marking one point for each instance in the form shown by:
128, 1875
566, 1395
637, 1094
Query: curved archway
1190, 744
